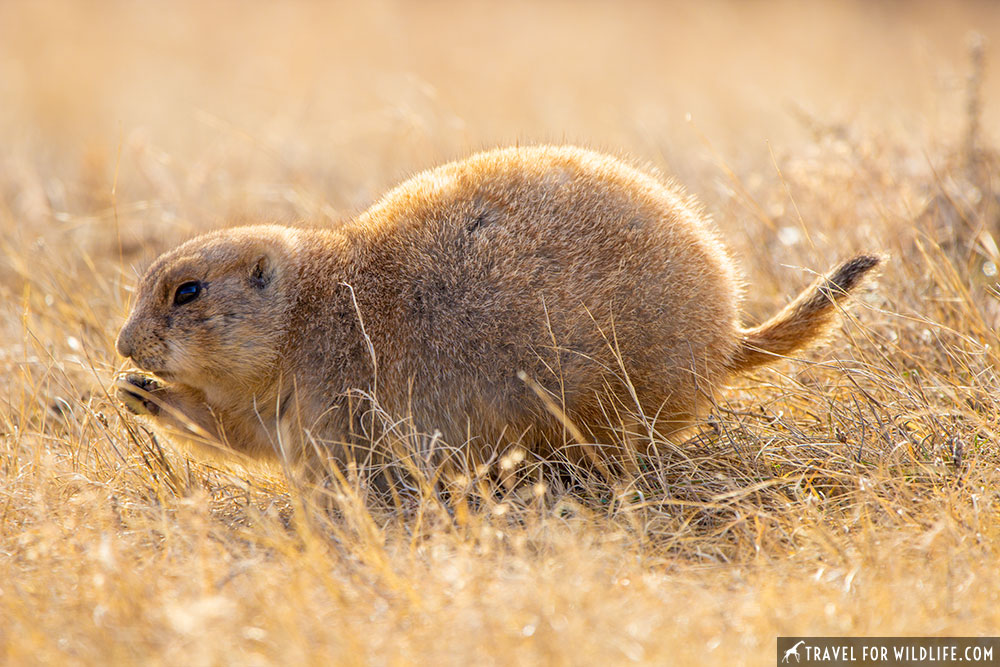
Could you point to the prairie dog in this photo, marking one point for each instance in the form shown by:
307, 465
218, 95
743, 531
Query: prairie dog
537, 296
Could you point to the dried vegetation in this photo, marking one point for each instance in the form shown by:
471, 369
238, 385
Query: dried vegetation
850, 492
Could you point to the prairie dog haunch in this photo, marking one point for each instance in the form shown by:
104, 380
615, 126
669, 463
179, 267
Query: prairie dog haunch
495, 300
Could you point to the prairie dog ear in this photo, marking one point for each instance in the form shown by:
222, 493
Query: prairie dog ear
261, 272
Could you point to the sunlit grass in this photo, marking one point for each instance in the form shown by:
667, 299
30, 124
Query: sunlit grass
849, 492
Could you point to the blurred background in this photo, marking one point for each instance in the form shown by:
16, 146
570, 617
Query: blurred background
301, 109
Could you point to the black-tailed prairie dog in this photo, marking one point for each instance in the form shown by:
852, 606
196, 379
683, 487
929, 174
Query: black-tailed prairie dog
536, 297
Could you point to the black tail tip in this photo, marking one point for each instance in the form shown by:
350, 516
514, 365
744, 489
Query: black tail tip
847, 276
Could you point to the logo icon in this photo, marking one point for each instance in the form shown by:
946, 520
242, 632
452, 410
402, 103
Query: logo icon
793, 651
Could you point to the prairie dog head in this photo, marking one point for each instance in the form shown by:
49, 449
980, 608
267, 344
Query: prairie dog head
212, 313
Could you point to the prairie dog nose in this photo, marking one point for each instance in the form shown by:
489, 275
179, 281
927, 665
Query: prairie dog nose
123, 344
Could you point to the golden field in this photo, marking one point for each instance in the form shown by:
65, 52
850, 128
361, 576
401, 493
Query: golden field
853, 491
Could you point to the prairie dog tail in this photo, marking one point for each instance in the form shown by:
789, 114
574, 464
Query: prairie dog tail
804, 320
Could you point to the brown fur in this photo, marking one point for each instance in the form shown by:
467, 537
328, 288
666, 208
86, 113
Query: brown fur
536, 296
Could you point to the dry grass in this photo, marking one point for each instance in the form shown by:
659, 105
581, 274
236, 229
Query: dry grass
853, 492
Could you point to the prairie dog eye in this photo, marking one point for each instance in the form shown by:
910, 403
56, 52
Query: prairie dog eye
187, 292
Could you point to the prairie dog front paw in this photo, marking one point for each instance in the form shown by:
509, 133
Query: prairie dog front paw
138, 393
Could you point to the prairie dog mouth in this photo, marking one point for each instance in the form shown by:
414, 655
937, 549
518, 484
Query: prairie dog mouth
162, 374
